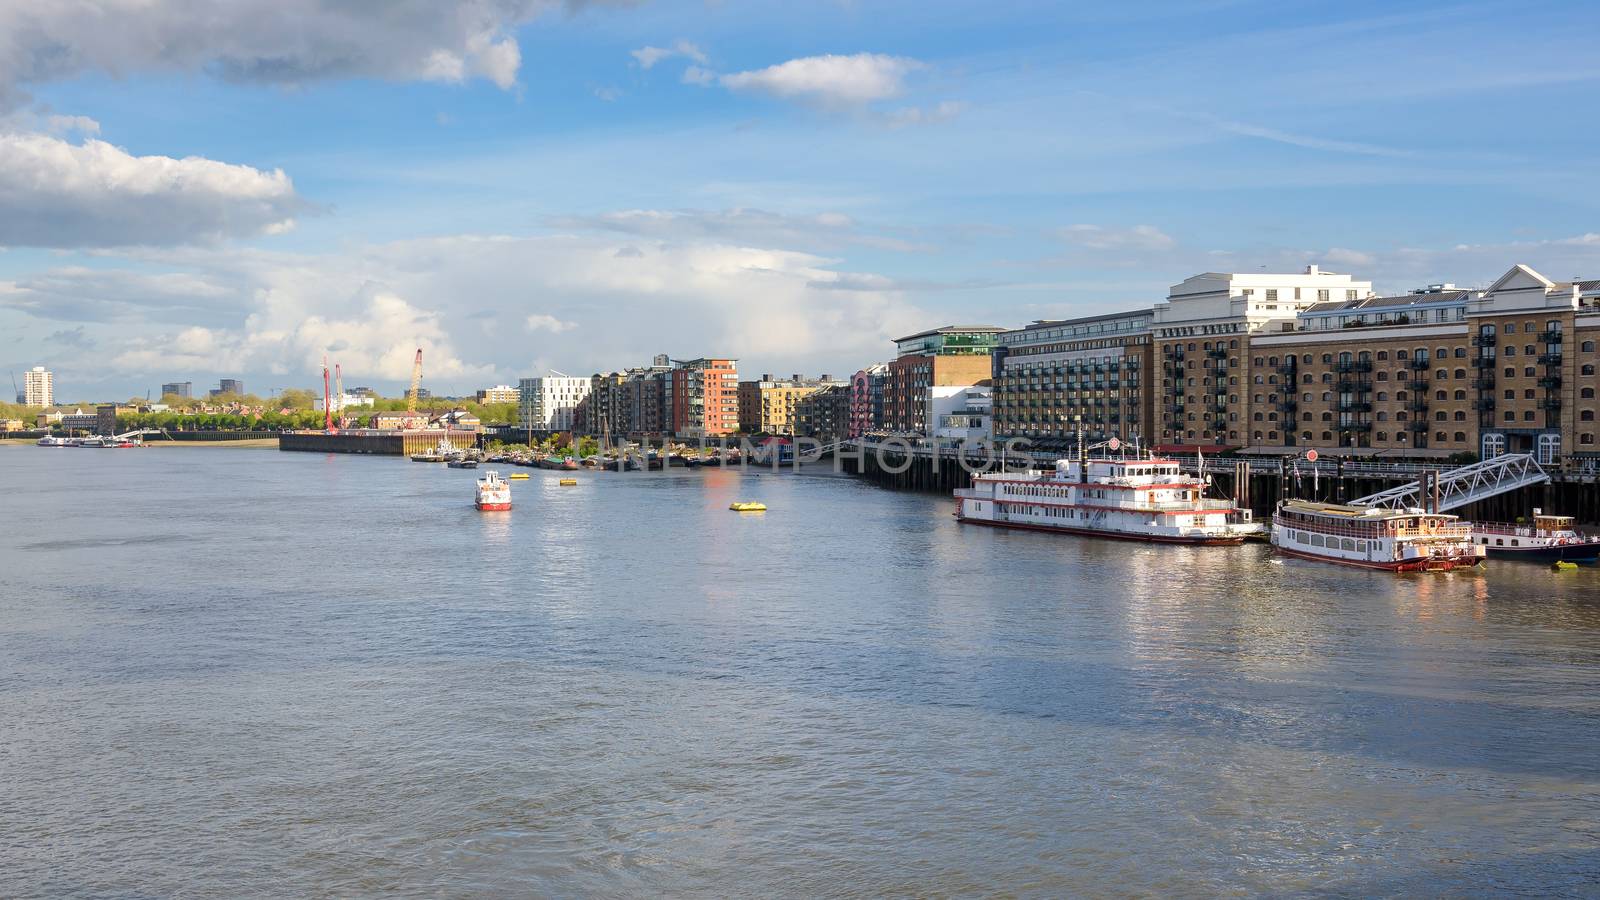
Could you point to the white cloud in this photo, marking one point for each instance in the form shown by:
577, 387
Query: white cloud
466, 301
1100, 237
697, 75
92, 194
647, 57
541, 322
833, 81
266, 41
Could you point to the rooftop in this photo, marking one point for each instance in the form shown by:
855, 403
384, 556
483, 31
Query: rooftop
955, 329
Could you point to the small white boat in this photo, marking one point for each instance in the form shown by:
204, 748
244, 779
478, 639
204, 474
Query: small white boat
494, 492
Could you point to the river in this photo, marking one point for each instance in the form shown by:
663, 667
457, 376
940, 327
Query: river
235, 672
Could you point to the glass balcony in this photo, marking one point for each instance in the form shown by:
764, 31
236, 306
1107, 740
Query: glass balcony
1485, 340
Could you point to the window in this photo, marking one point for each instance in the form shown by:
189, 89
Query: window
1322, 295
1509, 328
1588, 346
1383, 354
1460, 436
1586, 438
1272, 295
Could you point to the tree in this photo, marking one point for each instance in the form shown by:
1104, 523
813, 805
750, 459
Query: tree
297, 398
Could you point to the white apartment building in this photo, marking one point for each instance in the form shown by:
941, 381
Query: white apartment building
548, 403
1236, 303
345, 401
39, 388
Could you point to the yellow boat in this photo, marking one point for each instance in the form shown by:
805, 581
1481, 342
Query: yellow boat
1562, 565
518, 476
568, 482
745, 506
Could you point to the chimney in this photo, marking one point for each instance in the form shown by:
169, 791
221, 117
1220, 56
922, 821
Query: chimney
1311, 270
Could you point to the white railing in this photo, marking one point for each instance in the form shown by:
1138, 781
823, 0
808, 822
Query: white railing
1468, 484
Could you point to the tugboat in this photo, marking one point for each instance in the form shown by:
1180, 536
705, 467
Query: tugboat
494, 493
1548, 539
443, 452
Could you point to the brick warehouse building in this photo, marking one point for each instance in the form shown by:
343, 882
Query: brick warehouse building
1274, 364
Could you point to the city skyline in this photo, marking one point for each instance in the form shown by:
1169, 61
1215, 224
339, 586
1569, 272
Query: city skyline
529, 187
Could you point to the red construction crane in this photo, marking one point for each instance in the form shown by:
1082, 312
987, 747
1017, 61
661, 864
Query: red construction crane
327, 407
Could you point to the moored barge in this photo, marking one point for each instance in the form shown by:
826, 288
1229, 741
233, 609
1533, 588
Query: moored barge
1371, 537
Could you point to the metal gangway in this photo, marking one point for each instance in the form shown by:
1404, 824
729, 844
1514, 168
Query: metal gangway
1459, 487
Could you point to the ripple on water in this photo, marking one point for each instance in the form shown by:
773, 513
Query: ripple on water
325, 675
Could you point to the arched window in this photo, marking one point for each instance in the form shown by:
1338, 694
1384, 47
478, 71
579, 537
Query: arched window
1493, 445
1383, 355
1461, 373
1326, 435
1586, 393
1460, 436
1588, 346
1383, 435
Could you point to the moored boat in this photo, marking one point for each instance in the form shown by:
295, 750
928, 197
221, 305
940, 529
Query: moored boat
1128, 499
1370, 537
1546, 539
494, 493
462, 463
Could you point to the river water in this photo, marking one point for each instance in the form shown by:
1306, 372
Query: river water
237, 672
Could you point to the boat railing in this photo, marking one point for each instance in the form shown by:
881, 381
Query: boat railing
1370, 532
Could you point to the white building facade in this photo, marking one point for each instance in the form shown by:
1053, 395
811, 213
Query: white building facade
38, 387
345, 401
548, 403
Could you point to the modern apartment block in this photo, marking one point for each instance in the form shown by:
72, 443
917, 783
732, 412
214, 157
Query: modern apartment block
549, 402
953, 356
183, 389
768, 406
704, 398
824, 413
500, 393
38, 387
866, 399
1051, 376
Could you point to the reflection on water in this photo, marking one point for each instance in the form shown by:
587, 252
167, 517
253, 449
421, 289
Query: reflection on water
227, 672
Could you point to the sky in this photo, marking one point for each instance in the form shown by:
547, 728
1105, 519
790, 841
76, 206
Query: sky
198, 189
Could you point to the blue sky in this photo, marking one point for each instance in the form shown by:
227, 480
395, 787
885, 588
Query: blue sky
512, 187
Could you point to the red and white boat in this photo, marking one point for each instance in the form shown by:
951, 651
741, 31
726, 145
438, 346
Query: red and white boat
1370, 537
494, 492
1129, 499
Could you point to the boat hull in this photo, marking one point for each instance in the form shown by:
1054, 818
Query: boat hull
1206, 541
1588, 552
1430, 564
493, 507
